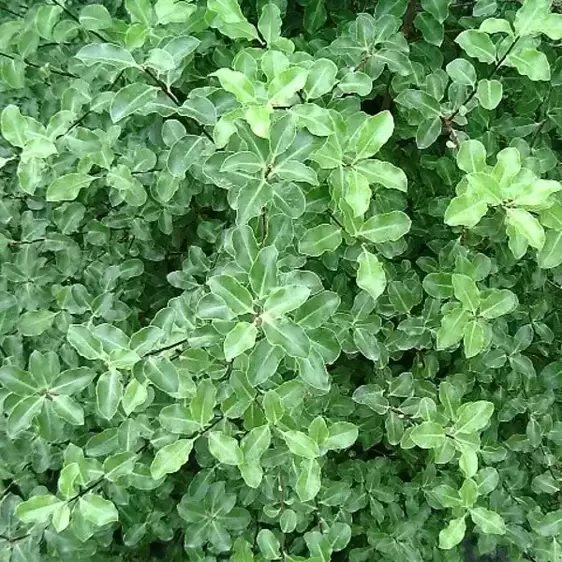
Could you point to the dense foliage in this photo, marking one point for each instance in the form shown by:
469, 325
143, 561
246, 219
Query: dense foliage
280, 280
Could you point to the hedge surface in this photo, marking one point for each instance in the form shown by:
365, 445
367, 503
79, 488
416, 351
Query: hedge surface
280, 280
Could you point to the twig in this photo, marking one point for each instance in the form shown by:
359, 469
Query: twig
54, 70
166, 347
8, 11
491, 75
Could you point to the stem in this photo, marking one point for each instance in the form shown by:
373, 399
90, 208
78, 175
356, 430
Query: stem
33, 65
490, 76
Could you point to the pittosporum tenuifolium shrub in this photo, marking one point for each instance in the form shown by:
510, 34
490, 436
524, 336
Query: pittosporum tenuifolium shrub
280, 280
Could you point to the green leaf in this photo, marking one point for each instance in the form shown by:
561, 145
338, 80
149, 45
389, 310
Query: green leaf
68, 409
269, 545
452, 534
106, 53
466, 291
241, 338
269, 23
256, 442
35, 322
170, 458
317, 309
203, 403
130, 99
287, 335
95, 17
341, 436
234, 294
16, 380
309, 480
162, 373
383, 173
23, 413
320, 239
370, 275
498, 302
236, 83
301, 444
285, 85
465, 210
109, 391
263, 272
225, 448
473, 416
452, 328
263, 362
97, 510
462, 72
428, 132
386, 227
321, 78
37, 509
428, 435
489, 93
530, 62
474, 337
67, 188
373, 135
550, 525
525, 224
471, 156
489, 522
285, 299
477, 44
550, 255
13, 126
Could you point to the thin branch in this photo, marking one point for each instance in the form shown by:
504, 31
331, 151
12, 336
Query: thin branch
490, 76
54, 70
8, 11
166, 347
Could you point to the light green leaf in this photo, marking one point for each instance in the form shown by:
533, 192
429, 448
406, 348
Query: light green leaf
270, 22
320, 239
241, 338
462, 72
373, 135
263, 272
286, 334
452, 534
317, 309
35, 322
474, 337
341, 436
97, 510
530, 62
477, 44
23, 413
473, 416
234, 294
321, 78
162, 373
489, 522
497, 303
525, 224
67, 188
285, 85
465, 210
386, 227
285, 299
236, 83
14, 126
471, 156
489, 93
301, 444
109, 391
170, 458
37, 509
225, 448
428, 435
383, 173
106, 53
309, 480
466, 291
269, 545
18, 381
550, 255
256, 442
370, 275
130, 99
452, 328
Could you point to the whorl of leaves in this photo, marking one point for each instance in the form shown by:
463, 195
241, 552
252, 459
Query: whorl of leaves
280, 280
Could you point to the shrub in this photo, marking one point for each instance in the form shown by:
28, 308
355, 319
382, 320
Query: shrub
280, 280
